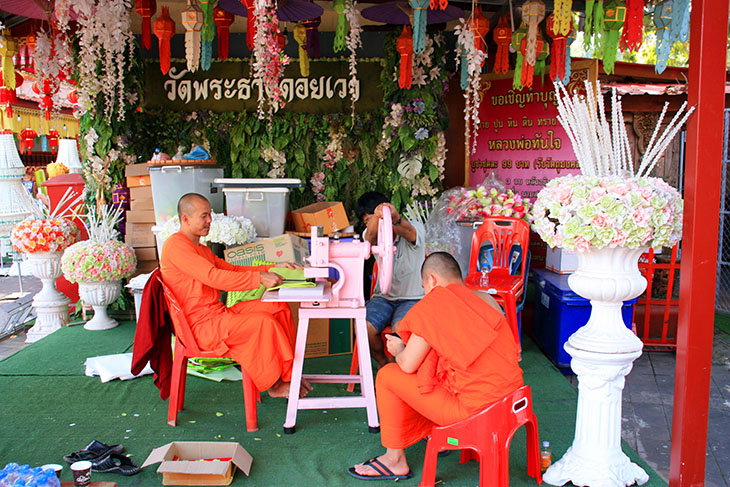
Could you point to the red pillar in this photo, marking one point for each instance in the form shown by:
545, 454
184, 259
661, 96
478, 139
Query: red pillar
708, 48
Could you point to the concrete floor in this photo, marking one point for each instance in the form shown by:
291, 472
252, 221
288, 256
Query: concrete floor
647, 401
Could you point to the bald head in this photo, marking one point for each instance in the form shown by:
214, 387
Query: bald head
188, 204
440, 269
195, 216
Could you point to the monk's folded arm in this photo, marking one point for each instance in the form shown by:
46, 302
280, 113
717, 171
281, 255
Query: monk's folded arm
201, 269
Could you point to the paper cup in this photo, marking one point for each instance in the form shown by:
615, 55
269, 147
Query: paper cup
55, 467
82, 473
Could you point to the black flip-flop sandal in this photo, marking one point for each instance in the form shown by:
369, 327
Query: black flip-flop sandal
93, 452
115, 463
384, 473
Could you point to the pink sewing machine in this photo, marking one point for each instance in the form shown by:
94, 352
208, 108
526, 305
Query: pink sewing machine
343, 299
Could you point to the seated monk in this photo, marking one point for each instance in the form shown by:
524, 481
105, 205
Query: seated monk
259, 336
457, 356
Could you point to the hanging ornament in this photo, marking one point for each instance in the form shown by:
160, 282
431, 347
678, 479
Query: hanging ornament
569, 40
9, 97
8, 49
53, 140
192, 19
300, 35
613, 20
479, 24
517, 37
464, 64
164, 28
594, 22
404, 46
663, 21
250, 22
73, 97
502, 35
533, 12
557, 59
419, 24
312, 27
146, 9
680, 20
542, 55
341, 29
26, 139
207, 34
47, 89
223, 19
633, 26
528, 70
563, 16
438, 4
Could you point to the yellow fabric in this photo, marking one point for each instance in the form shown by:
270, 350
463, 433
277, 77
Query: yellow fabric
32, 118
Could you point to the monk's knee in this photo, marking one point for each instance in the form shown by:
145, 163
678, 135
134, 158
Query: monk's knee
386, 377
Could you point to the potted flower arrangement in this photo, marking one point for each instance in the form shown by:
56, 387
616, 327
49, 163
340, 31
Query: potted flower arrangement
609, 216
42, 238
99, 264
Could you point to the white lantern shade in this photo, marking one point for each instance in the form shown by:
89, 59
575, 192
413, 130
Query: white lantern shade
68, 154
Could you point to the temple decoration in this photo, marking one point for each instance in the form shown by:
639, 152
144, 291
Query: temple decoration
517, 37
223, 21
559, 48
312, 27
502, 35
341, 29
613, 20
419, 24
16, 204
671, 19
594, 21
8, 96
353, 43
26, 140
540, 61
633, 30
164, 28
533, 12
472, 58
52, 137
438, 4
404, 46
47, 89
569, 40
480, 25
8, 49
207, 34
192, 19
563, 16
146, 9
300, 35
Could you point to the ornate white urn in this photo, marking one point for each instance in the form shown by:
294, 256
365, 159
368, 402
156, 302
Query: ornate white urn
603, 353
51, 306
99, 295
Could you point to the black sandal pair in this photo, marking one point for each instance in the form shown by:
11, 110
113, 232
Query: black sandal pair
104, 458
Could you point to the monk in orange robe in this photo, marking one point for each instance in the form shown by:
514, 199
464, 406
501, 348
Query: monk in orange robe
457, 355
259, 336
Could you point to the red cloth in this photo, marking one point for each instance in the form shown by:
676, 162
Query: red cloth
153, 335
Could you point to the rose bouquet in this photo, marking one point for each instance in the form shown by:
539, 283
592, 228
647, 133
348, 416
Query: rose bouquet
44, 235
481, 202
591, 212
98, 261
227, 230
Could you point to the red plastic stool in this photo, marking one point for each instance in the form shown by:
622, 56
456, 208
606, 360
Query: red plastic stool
486, 437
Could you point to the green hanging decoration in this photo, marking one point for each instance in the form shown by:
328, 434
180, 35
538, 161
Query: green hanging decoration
615, 15
598, 20
540, 67
342, 26
207, 34
517, 37
588, 30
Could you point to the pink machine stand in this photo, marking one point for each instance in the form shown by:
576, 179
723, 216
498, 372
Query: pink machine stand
343, 299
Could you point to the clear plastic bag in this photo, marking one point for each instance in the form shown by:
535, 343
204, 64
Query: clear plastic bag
442, 232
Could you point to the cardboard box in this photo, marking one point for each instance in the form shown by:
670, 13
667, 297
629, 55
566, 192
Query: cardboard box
284, 248
136, 170
145, 253
326, 337
145, 267
328, 214
141, 216
140, 193
133, 181
561, 261
187, 469
140, 235
142, 204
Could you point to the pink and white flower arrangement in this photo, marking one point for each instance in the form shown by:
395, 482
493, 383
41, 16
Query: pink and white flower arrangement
226, 230
34, 235
98, 261
269, 58
481, 202
580, 213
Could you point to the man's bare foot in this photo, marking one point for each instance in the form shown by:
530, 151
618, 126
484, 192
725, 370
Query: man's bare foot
280, 389
304, 388
397, 465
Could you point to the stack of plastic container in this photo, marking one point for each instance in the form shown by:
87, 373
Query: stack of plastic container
14, 475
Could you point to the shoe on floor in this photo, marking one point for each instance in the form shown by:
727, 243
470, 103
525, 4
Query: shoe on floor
115, 463
93, 452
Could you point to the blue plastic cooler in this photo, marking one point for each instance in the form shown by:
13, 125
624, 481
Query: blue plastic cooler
559, 312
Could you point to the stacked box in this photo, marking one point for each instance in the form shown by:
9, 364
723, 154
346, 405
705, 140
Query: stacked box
141, 218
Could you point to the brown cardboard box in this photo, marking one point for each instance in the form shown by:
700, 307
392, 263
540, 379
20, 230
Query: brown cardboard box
145, 253
142, 204
136, 170
140, 192
318, 334
140, 235
284, 248
133, 181
145, 267
328, 214
189, 470
141, 216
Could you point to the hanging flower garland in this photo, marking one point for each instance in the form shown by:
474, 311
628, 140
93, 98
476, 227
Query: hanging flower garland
353, 42
277, 160
317, 181
269, 59
474, 58
391, 124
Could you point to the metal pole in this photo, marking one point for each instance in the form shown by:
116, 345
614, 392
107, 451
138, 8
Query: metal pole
708, 48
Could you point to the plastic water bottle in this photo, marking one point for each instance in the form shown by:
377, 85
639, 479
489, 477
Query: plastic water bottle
11, 474
3, 478
546, 456
51, 479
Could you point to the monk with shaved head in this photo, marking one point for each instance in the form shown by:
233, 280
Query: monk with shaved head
259, 336
455, 355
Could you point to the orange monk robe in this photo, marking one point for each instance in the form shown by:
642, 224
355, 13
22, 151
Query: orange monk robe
260, 336
473, 362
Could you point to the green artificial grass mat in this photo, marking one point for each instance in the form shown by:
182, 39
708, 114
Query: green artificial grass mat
50, 409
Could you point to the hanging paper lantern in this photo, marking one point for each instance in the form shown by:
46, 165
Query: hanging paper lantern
502, 35
542, 55
30, 43
568, 41
614, 15
48, 88
300, 35
533, 12
404, 46
438, 4
662, 21
207, 34
192, 19
594, 21
146, 9
53, 140
557, 60
633, 30
223, 19
312, 27
164, 28
26, 139
563, 16
341, 29
73, 97
8, 49
250, 23
528, 70
419, 24
8, 96
517, 37
479, 24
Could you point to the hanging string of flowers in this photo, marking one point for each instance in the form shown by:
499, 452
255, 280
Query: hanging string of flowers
277, 160
353, 42
269, 59
472, 58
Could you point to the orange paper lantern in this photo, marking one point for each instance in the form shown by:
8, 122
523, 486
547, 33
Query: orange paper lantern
146, 9
26, 139
480, 25
404, 45
502, 36
223, 20
53, 140
164, 28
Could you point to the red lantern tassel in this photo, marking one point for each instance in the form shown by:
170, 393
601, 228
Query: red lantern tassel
165, 56
146, 32
223, 43
557, 59
501, 63
404, 46
633, 26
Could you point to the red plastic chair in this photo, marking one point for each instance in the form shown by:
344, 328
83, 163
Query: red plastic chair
486, 437
186, 347
502, 233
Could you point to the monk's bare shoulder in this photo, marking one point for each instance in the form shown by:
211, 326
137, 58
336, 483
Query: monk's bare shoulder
487, 298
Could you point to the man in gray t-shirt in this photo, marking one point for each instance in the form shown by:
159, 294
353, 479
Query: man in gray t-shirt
406, 287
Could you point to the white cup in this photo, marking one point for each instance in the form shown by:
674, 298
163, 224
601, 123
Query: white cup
55, 467
82, 473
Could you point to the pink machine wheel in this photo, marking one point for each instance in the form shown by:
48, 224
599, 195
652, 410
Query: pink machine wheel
385, 250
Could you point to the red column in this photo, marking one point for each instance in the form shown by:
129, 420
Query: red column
708, 48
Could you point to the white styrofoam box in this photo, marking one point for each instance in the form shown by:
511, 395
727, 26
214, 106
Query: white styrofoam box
265, 207
169, 183
561, 261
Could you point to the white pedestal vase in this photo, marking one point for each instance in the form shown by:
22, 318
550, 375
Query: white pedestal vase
99, 295
51, 306
603, 353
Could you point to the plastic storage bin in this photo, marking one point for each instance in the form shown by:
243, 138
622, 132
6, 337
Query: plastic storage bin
559, 312
169, 183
